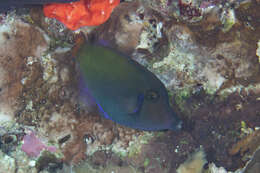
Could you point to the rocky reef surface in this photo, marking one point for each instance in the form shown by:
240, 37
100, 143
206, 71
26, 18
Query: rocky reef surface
206, 52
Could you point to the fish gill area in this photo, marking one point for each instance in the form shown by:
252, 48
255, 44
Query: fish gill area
206, 53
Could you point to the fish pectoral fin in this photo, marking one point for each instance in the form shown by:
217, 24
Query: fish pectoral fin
134, 104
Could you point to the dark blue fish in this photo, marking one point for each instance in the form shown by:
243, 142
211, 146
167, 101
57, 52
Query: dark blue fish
6, 5
125, 91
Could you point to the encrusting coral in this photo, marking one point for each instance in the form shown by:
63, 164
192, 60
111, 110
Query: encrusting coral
81, 13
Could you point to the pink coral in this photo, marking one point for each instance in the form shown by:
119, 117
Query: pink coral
32, 146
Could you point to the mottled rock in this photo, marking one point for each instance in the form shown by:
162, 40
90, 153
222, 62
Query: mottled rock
99, 158
253, 165
7, 163
19, 41
123, 28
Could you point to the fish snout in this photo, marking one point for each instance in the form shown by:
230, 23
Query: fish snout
176, 124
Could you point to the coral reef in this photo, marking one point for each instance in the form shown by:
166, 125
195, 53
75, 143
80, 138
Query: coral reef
14, 32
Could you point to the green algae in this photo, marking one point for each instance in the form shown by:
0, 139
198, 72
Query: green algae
135, 146
185, 142
180, 98
146, 162
228, 20
159, 134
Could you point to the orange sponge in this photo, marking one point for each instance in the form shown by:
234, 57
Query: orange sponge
81, 13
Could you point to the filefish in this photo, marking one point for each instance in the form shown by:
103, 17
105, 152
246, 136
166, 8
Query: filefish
125, 91
6, 5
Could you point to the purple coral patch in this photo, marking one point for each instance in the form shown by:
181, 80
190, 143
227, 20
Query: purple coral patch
32, 146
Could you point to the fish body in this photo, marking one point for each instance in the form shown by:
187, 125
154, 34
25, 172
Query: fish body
125, 91
6, 5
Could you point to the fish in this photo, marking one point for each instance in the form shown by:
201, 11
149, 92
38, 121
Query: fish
124, 91
7, 5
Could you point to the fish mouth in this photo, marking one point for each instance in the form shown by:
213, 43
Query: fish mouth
176, 126
179, 126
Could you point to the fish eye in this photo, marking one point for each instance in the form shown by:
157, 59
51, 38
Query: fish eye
152, 95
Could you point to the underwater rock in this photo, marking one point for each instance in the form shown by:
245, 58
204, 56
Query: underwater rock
48, 161
187, 62
19, 41
11, 135
214, 169
132, 27
124, 27
99, 158
7, 163
210, 14
244, 66
254, 164
194, 164
190, 63
247, 145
